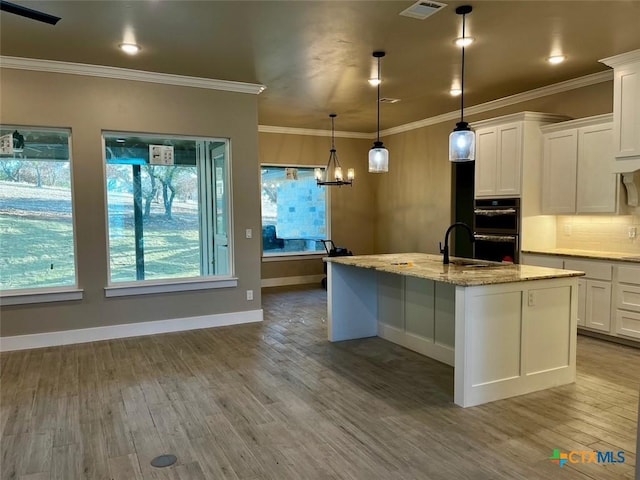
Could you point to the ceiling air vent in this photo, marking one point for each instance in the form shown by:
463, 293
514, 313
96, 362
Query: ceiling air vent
389, 100
422, 9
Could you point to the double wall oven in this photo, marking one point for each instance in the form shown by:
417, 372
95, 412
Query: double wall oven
496, 223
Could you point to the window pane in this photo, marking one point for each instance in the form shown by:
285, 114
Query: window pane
294, 211
36, 214
161, 221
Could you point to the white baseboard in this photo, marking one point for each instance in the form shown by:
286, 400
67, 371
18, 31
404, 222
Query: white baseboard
299, 280
83, 335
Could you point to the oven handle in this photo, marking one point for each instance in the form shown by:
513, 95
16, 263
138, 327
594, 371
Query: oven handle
493, 212
496, 238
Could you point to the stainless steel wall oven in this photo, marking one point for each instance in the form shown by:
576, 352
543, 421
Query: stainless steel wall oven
496, 224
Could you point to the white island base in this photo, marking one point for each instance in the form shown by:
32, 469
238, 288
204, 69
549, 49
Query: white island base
503, 339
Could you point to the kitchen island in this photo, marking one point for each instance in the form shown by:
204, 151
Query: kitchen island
506, 329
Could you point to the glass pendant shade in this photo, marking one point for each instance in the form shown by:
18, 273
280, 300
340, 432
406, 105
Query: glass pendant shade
378, 158
462, 144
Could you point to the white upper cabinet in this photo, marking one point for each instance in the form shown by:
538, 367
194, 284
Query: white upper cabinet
576, 167
503, 148
626, 110
498, 160
559, 169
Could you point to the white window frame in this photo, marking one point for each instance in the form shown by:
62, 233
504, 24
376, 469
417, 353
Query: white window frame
283, 256
155, 286
50, 294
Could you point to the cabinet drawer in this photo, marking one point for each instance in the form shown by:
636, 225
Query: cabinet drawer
595, 270
629, 275
628, 297
628, 323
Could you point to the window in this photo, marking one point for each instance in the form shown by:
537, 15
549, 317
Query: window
168, 207
37, 249
294, 211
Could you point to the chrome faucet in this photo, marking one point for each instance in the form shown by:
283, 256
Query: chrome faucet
445, 250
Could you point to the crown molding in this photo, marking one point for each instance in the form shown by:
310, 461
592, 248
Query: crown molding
578, 123
102, 71
312, 132
622, 59
560, 87
525, 116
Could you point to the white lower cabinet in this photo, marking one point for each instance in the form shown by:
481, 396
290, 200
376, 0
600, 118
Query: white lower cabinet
598, 305
627, 295
608, 294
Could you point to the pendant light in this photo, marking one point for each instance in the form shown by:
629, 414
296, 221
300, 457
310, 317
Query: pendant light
462, 141
378, 155
333, 166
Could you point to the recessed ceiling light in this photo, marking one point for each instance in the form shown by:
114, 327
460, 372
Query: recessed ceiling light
130, 48
374, 82
455, 92
555, 59
464, 41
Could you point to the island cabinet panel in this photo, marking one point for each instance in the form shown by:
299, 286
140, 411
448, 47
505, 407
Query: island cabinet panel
420, 309
418, 314
546, 340
391, 300
495, 325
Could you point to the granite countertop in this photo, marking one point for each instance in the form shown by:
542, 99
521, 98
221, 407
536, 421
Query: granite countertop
596, 255
462, 271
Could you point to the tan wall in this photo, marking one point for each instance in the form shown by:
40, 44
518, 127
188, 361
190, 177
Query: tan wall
89, 105
352, 208
414, 200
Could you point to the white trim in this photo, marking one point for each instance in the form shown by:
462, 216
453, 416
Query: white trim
143, 288
24, 297
521, 117
300, 256
103, 71
312, 132
578, 122
83, 335
622, 59
506, 101
298, 280
552, 89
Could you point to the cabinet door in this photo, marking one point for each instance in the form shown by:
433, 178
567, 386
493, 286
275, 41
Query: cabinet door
598, 308
559, 167
582, 302
626, 110
486, 162
596, 187
509, 159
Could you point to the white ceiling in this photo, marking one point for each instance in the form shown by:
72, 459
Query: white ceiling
315, 56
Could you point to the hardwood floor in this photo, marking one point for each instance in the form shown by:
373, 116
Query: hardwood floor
277, 401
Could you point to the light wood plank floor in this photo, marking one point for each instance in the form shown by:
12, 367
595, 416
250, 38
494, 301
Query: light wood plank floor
277, 401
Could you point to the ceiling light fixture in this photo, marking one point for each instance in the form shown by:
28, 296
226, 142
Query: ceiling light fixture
374, 82
378, 155
462, 141
555, 59
323, 178
455, 92
130, 48
464, 41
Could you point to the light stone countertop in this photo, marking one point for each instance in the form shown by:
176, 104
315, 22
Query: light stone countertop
596, 255
424, 265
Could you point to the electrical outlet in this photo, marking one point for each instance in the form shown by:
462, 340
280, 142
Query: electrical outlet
249, 294
531, 298
633, 232
567, 230
248, 233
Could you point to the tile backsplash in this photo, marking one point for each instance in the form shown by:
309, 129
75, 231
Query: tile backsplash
607, 233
